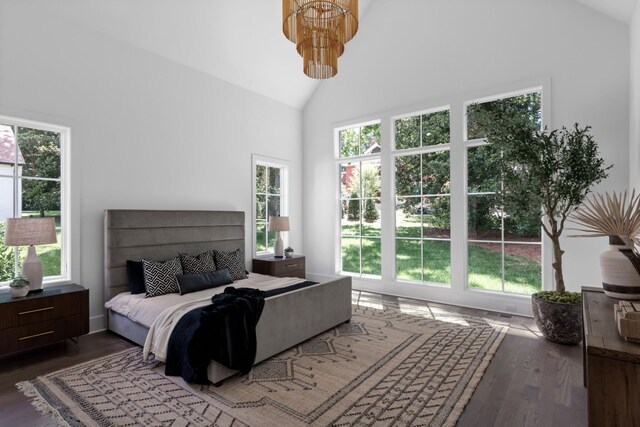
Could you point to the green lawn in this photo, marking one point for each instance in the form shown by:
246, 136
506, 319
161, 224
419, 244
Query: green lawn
522, 275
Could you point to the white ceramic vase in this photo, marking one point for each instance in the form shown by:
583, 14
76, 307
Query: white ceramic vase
620, 271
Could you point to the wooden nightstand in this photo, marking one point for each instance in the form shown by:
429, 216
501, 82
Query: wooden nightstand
280, 267
55, 314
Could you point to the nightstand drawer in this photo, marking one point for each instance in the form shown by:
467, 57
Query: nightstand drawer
41, 333
288, 266
28, 311
280, 267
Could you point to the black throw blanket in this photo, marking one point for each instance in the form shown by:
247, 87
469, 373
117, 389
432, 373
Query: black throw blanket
224, 331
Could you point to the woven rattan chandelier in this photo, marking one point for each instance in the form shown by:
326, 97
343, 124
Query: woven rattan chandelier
319, 29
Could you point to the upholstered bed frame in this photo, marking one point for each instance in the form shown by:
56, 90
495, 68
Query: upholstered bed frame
286, 320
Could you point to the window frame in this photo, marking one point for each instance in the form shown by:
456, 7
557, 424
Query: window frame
272, 162
458, 293
481, 142
338, 162
66, 210
405, 152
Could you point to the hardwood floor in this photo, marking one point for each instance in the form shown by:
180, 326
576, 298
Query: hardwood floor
529, 382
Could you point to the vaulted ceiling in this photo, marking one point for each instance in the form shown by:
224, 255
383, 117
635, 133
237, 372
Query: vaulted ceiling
621, 10
237, 41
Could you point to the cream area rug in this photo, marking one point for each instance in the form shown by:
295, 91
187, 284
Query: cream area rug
394, 364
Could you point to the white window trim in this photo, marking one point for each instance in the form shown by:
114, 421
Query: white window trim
67, 267
458, 293
260, 160
337, 259
402, 152
479, 142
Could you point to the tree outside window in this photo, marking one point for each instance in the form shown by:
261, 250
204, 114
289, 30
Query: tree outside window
503, 254
360, 199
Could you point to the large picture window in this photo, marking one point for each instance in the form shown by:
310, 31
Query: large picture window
503, 255
360, 203
31, 185
422, 177
420, 209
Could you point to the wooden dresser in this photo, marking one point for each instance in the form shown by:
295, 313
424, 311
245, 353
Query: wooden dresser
612, 365
57, 313
280, 267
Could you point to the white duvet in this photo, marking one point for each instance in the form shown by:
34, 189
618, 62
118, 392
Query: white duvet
161, 314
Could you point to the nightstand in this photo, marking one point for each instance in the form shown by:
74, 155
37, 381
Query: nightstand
55, 314
280, 267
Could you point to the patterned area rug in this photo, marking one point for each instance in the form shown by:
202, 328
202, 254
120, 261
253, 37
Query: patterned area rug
394, 364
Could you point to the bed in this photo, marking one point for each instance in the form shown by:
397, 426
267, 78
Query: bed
287, 319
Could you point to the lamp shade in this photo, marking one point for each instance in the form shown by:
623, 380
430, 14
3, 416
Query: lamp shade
279, 223
30, 231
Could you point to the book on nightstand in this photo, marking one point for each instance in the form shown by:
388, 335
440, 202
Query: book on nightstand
627, 314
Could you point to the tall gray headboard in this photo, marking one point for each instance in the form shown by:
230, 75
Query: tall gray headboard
160, 235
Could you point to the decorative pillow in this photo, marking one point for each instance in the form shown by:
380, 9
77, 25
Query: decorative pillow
197, 264
135, 273
197, 282
234, 261
160, 277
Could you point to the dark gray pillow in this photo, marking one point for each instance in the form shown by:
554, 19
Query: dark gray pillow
234, 261
188, 283
135, 273
160, 277
197, 264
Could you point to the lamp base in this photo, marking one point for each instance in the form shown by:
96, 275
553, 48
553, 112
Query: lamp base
278, 249
32, 269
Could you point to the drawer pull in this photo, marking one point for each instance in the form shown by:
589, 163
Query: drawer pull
291, 265
35, 311
34, 336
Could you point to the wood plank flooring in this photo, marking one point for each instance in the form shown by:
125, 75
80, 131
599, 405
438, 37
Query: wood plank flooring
529, 382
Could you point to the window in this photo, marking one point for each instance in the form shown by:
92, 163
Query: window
31, 185
270, 196
422, 213
419, 204
360, 204
503, 255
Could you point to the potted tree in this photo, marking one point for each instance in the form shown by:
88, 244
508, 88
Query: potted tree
549, 174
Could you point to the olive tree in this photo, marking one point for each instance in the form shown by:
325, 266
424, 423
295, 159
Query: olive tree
549, 172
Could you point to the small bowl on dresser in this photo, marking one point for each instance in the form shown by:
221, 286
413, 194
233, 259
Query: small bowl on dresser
18, 292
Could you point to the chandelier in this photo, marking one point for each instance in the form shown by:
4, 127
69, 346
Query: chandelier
319, 29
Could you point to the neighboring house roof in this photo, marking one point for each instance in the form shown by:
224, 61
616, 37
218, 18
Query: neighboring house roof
8, 147
374, 147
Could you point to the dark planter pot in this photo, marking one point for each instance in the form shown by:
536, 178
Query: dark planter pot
559, 322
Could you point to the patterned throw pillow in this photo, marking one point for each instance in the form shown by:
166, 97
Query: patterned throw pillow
160, 277
234, 261
197, 264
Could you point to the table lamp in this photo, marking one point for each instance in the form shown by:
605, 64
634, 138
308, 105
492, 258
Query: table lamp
30, 232
278, 224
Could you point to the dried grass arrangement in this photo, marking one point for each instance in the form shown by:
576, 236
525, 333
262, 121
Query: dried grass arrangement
610, 215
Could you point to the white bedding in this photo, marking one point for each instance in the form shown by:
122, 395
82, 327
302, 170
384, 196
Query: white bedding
160, 314
145, 310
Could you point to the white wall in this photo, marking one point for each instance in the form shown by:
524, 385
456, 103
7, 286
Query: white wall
417, 53
146, 132
634, 137
6, 192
